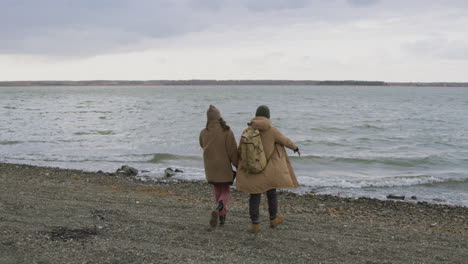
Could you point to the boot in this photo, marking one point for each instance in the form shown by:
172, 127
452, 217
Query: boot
214, 219
275, 222
254, 228
215, 213
222, 220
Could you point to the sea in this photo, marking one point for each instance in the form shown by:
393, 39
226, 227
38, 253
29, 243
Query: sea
355, 141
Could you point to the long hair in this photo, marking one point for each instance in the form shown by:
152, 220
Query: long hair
222, 123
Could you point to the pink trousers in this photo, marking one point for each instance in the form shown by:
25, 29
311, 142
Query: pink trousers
222, 193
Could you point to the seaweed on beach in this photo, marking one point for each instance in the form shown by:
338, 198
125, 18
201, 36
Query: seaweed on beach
66, 233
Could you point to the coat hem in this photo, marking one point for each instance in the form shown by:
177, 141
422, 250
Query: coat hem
220, 183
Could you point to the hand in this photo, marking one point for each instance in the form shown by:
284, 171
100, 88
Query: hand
297, 151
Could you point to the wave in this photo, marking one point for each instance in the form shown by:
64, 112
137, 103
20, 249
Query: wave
160, 157
138, 158
15, 142
70, 159
320, 142
328, 129
10, 142
97, 132
400, 162
341, 129
367, 126
383, 182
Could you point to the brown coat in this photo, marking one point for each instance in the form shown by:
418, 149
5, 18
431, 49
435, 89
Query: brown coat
278, 172
219, 152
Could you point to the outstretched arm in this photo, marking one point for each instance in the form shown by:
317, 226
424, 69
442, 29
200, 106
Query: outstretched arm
285, 141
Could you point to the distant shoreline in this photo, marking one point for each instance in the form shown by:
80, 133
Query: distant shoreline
229, 83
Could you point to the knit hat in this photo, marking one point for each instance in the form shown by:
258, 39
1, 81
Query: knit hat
263, 110
213, 113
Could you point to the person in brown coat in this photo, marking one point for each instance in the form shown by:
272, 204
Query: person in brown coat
219, 152
277, 174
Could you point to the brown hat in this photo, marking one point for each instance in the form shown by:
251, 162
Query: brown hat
213, 113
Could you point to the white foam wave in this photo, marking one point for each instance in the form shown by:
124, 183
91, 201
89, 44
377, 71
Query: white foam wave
375, 183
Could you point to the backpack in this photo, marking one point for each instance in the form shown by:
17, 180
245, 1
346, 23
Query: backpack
253, 157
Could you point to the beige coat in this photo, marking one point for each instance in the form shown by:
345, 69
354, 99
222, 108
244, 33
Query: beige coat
278, 172
219, 152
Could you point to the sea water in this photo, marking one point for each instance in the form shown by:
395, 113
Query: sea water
355, 141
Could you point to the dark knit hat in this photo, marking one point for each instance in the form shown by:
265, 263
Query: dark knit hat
263, 110
213, 113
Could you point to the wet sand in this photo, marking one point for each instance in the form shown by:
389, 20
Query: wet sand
50, 215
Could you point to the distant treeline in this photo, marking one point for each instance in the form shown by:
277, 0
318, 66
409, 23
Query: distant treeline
226, 82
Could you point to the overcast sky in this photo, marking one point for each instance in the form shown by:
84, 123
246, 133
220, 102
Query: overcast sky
387, 40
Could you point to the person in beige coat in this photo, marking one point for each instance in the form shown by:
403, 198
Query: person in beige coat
219, 153
277, 174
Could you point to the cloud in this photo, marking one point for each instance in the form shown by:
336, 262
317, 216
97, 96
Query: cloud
361, 3
437, 48
89, 27
268, 5
67, 27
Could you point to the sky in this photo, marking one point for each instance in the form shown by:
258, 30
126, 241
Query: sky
384, 40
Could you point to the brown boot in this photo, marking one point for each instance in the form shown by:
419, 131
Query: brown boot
214, 219
254, 228
275, 222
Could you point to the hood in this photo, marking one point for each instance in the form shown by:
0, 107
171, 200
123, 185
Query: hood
213, 124
261, 123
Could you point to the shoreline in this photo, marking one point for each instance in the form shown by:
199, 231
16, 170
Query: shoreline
61, 215
221, 85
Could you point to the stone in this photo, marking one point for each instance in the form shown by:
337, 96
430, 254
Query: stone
395, 197
127, 170
169, 172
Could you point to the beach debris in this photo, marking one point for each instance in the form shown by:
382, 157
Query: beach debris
169, 172
439, 200
395, 197
127, 170
66, 233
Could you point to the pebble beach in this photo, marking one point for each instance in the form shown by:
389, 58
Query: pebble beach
51, 215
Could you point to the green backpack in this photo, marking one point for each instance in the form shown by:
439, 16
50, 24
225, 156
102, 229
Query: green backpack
253, 157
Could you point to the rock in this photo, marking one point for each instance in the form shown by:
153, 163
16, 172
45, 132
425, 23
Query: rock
127, 170
414, 197
169, 172
395, 197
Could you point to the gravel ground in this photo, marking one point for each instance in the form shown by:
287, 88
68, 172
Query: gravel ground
50, 215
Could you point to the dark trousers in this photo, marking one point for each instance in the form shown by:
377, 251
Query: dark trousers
254, 205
